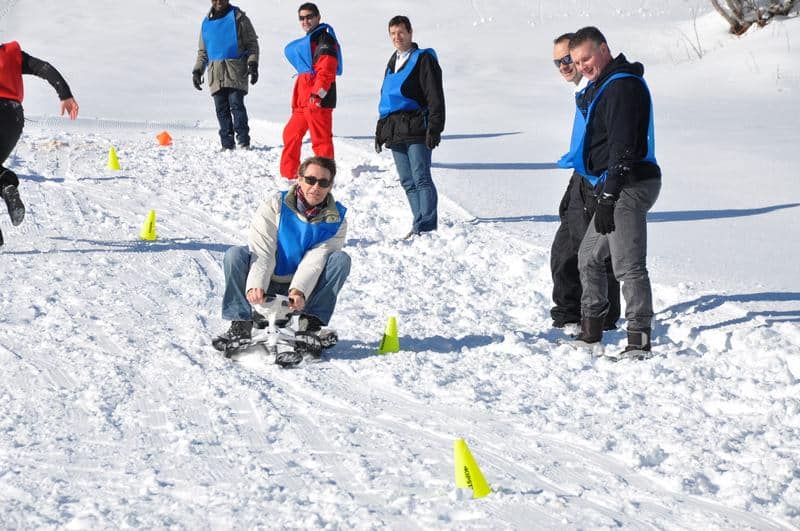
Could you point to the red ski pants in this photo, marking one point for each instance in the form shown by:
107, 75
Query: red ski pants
316, 120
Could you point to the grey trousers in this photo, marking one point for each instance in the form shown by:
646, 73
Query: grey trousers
627, 246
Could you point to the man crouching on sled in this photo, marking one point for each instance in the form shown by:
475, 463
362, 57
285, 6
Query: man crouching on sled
294, 249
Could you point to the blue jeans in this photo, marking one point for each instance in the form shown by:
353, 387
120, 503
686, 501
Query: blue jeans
413, 162
627, 246
232, 116
320, 303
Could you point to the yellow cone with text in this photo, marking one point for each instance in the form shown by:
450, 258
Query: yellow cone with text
468, 475
149, 227
390, 341
113, 161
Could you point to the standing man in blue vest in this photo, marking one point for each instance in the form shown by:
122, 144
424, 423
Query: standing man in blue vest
229, 49
575, 212
294, 249
14, 62
412, 120
616, 151
317, 57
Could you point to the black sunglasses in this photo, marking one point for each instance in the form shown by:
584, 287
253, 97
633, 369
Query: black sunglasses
311, 181
566, 60
307, 17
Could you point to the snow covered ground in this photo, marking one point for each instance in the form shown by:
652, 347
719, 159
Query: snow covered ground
116, 412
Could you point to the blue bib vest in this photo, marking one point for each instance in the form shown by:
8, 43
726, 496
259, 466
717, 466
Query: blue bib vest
392, 98
296, 237
298, 52
574, 158
220, 37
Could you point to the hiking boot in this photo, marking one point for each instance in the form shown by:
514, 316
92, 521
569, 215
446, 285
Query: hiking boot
591, 330
638, 340
561, 322
16, 210
240, 332
310, 323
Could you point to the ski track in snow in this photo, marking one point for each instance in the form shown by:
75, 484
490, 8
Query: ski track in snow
115, 411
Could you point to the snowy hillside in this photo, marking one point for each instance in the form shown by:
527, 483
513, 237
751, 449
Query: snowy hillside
116, 412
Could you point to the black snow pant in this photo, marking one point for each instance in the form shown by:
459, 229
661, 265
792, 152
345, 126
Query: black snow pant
576, 211
11, 122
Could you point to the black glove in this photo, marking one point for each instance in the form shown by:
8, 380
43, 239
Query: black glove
604, 214
252, 70
378, 145
197, 79
432, 139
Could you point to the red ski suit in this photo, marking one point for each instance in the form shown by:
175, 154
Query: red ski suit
313, 100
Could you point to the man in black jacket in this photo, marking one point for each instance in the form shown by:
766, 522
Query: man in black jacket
617, 153
13, 64
412, 120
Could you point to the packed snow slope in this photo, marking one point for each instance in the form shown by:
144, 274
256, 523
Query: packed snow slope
116, 412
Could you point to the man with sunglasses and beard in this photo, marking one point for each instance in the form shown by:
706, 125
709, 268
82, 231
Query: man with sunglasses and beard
228, 47
294, 249
575, 212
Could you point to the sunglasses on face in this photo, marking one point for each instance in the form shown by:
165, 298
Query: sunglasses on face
309, 18
311, 181
566, 60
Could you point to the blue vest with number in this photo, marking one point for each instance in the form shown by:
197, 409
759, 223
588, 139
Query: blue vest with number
296, 236
298, 52
574, 158
220, 37
392, 98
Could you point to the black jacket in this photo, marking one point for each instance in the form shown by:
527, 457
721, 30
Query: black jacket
616, 136
36, 67
43, 69
323, 43
423, 85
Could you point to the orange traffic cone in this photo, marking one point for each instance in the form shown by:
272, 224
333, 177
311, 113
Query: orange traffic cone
164, 139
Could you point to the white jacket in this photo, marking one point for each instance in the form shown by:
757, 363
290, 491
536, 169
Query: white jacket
263, 244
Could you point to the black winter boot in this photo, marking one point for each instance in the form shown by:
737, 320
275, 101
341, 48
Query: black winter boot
638, 341
591, 330
16, 210
239, 332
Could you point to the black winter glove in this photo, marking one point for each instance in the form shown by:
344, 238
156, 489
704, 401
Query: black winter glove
604, 214
432, 139
378, 145
197, 80
252, 69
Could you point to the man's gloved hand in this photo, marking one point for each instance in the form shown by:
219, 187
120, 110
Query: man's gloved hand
197, 79
604, 214
252, 70
378, 145
314, 101
432, 139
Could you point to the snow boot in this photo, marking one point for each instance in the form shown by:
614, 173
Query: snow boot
239, 333
638, 344
16, 210
591, 330
309, 323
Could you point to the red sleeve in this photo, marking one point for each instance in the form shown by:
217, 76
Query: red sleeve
325, 73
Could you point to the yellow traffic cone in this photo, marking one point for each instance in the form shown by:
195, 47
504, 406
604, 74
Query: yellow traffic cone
468, 475
149, 227
113, 162
390, 341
